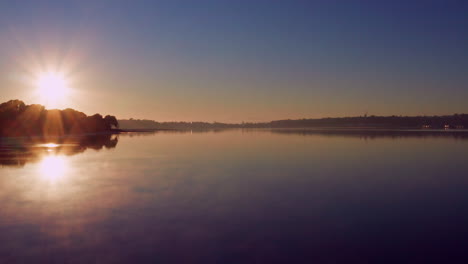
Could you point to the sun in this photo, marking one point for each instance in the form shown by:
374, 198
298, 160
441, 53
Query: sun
53, 88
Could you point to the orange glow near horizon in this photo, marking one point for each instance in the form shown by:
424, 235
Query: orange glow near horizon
53, 89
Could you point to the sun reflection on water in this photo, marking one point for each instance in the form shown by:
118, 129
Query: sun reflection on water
49, 145
52, 168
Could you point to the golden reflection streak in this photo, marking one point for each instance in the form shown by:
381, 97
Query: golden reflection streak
53, 168
49, 145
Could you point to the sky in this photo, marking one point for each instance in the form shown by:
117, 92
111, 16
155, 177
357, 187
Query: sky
240, 60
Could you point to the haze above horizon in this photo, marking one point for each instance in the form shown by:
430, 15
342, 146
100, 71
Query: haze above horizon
234, 61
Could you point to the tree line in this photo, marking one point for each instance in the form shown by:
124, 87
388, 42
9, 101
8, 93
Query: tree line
19, 119
408, 122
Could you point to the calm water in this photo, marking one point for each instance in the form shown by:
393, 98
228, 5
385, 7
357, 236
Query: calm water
235, 197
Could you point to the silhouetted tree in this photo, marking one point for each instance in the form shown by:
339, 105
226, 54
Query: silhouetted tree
19, 119
111, 121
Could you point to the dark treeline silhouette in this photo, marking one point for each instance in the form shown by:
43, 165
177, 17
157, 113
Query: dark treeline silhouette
408, 122
17, 151
19, 119
142, 124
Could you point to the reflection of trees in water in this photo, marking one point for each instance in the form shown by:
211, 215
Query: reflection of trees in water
148, 132
332, 132
375, 133
16, 152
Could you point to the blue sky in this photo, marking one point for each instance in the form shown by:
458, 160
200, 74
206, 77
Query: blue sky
242, 60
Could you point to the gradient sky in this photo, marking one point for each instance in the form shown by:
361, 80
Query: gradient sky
235, 61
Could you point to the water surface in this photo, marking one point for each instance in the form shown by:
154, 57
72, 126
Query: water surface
235, 196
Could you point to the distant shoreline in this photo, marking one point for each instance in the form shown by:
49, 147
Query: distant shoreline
322, 129
456, 121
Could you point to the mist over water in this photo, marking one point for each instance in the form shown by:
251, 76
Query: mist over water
235, 196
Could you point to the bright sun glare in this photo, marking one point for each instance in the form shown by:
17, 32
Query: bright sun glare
52, 168
53, 88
